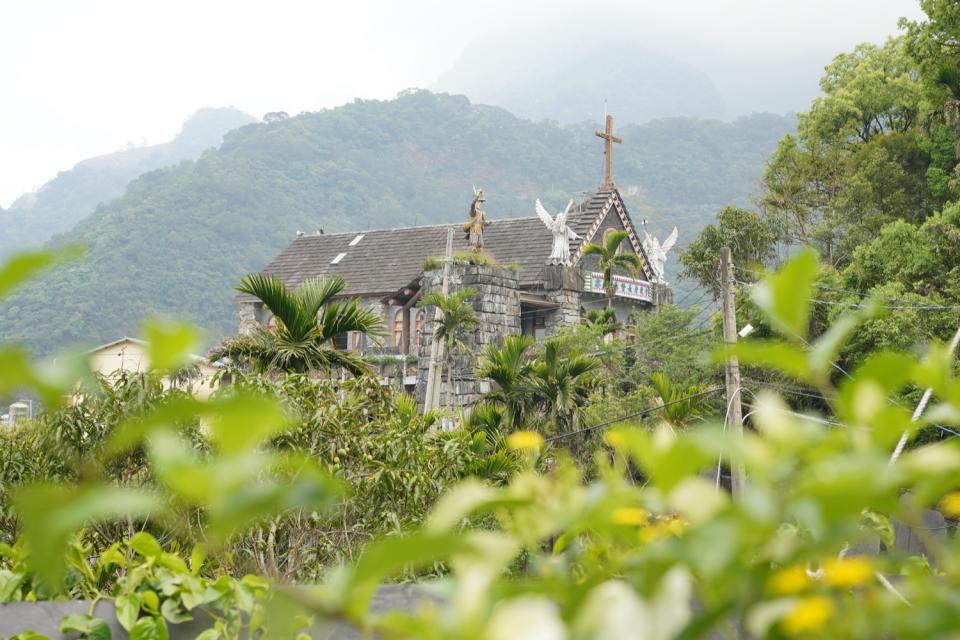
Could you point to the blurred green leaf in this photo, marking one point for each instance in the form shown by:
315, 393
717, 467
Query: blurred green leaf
28, 263
128, 610
241, 422
52, 514
91, 628
54, 380
785, 294
149, 629
170, 345
261, 498
824, 351
771, 354
385, 557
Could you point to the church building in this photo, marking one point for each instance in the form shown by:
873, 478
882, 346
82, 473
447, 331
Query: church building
531, 275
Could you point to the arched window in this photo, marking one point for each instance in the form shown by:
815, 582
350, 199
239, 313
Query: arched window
397, 328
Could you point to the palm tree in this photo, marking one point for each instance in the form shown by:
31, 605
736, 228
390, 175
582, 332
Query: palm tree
611, 258
604, 320
562, 385
456, 316
510, 368
308, 322
679, 411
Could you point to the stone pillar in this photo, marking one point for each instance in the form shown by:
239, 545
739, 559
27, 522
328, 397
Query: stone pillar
562, 285
498, 311
662, 294
249, 317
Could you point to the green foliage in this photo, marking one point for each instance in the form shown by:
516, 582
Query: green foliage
308, 322
610, 258
751, 238
510, 368
861, 157
176, 242
603, 320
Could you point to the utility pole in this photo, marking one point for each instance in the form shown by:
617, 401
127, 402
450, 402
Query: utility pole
432, 394
734, 409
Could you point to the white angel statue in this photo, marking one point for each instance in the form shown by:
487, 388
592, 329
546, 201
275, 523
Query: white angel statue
562, 234
657, 253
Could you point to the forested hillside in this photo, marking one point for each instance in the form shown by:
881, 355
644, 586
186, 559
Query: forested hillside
59, 204
179, 238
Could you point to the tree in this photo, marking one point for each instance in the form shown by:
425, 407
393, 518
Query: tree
752, 240
509, 367
611, 257
858, 160
680, 408
308, 323
456, 316
603, 320
561, 385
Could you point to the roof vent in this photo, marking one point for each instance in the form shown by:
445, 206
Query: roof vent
354, 242
340, 256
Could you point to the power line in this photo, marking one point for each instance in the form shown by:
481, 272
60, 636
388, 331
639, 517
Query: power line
633, 415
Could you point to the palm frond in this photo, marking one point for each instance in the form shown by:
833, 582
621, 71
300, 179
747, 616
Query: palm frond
314, 293
277, 297
591, 248
333, 359
349, 315
613, 241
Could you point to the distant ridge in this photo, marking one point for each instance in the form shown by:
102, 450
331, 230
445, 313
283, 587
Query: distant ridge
35, 217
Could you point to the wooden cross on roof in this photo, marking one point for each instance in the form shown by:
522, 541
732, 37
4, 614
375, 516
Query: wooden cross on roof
608, 140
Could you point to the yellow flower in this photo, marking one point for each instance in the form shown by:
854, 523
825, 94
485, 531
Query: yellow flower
789, 580
615, 440
529, 440
809, 614
950, 504
847, 572
629, 516
663, 527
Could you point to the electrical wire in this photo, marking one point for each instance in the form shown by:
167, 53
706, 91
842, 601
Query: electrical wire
630, 416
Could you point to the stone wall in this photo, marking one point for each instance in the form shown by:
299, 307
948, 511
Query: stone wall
498, 311
250, 317
563, 286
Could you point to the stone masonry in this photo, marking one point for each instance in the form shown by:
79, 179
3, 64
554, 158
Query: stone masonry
498, 311
562, 285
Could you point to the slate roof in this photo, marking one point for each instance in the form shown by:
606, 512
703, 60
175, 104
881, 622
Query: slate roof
384, 261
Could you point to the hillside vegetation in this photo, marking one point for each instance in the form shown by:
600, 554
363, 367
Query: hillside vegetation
72, 195
180, 238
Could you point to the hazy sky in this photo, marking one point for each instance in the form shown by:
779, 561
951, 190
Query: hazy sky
78, 79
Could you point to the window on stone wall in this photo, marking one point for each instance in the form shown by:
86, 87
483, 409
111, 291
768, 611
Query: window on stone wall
539, 327
397, 328
415, 333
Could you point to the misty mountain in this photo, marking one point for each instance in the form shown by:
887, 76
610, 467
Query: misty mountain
568, 79
180, 238
59, 204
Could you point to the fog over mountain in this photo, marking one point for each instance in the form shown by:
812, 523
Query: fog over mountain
573, 80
